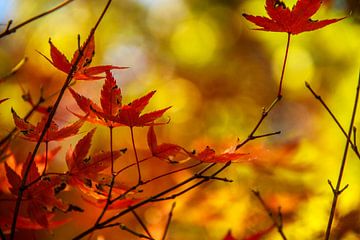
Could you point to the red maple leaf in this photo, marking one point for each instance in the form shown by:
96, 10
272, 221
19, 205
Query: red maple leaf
39, 195
209, 155
167, 151
83, 71
32, 132
294, 21
112, 112
84, 172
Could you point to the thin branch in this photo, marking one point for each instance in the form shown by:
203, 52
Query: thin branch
264, 114
48, 123
140, 235
9, 30
278, 222
14, 70
173, 196
168, 221
150, 199
337, 191
6, 139
138, 218
319, 98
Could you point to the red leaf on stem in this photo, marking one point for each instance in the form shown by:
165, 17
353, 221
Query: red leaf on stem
32, 132
294, 21
112, 112
83, 71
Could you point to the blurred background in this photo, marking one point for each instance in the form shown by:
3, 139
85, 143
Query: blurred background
217, 74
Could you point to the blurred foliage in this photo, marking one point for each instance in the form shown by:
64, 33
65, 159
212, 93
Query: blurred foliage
205, 61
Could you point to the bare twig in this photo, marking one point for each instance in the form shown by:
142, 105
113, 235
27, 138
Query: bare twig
264, 114
319, 98
150, 199
338, 189
284, 64
125, 228
278, 222
168, 221
138, 218
9, 30
22, 187
14, 70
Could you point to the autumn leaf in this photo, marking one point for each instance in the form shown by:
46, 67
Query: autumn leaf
39, 195
209, 155
294, 21
84, 172
112, 112
83, 71
32, 132
167, 151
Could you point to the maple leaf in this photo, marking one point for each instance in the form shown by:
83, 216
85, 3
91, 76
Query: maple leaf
32, 132
167, 151
83, 71
40, 196
294, 21
112, 112
83, 171
209, 155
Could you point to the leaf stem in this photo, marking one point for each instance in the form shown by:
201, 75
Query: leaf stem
337, 191
136, 155
10, 30
284, 64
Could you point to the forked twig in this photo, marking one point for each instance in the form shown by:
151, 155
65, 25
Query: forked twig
168, 221
319, 98
9, 30
138, 218
278, 222
338, 190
